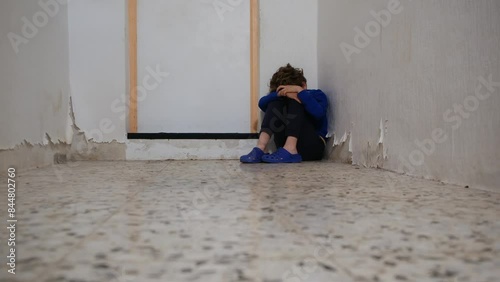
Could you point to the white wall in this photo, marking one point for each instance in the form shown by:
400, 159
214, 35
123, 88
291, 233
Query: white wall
34, 94
428, 59
288, 35
98, 67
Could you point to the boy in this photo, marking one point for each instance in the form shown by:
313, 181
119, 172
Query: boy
296, 116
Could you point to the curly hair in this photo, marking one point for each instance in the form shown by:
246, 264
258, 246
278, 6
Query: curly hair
287, 75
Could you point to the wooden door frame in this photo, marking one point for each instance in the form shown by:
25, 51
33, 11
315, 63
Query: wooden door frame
254, 64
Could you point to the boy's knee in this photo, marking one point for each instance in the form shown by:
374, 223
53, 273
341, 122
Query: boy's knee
295, 106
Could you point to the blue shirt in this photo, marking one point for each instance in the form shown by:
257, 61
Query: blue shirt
315, 103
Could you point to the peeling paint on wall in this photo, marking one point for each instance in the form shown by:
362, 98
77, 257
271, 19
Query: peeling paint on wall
340, 150
84, 149
373, 156
27, 155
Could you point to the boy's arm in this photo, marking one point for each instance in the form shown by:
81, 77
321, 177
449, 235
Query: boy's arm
315, 102
264, 101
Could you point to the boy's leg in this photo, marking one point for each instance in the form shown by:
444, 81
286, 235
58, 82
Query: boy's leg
295, 118
294, 114
293, 130
310, 146
301, 134
274, 123
264, 138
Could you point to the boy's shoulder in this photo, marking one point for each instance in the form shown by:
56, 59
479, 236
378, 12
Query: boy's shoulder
317, 92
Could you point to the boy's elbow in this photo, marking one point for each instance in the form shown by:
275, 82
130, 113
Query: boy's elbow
320, 115
262, 106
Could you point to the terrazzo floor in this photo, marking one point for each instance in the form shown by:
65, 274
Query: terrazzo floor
224, 221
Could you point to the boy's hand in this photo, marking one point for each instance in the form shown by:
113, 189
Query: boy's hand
285, 89
290, 91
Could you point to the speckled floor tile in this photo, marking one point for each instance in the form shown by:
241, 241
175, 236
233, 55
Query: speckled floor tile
223, 221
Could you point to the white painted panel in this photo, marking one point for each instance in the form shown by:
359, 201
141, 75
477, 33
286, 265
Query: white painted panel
207, 57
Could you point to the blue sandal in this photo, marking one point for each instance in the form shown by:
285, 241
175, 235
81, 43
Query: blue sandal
282, 156
255, 156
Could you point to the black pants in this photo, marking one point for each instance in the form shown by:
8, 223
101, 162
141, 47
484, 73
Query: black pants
287, 117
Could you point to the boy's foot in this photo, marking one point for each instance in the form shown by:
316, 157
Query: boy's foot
282, 156
255, 156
